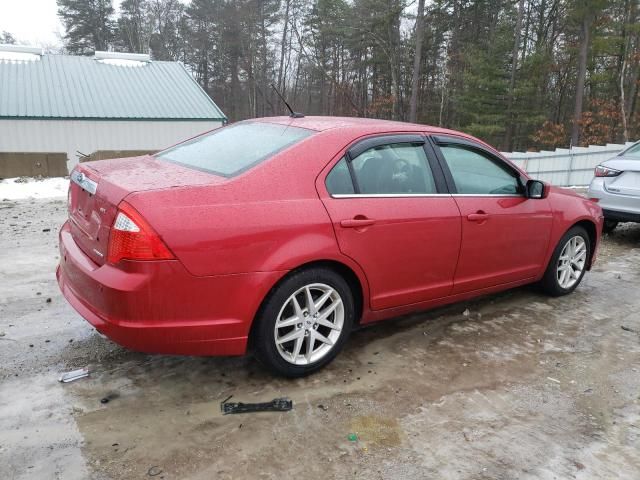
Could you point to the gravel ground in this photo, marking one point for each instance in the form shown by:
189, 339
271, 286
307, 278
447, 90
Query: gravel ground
519, 386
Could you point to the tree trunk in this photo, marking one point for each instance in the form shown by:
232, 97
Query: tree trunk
582, 73
283, 46
417, 61
508, 141
623, 113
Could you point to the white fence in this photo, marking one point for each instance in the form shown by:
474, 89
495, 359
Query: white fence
565, 167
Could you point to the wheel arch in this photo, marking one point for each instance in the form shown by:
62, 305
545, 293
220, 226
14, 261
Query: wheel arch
590, 227
358, 289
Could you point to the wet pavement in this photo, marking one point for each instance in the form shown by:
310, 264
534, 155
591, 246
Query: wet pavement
515, 385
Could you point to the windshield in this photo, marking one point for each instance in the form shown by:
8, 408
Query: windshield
231, 150
633, 151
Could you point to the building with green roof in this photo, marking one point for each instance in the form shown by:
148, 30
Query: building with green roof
109, 103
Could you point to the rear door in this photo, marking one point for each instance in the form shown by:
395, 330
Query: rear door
392, 215
505, 235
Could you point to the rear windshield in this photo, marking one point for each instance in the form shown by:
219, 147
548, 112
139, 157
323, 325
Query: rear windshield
231, 150
633, 151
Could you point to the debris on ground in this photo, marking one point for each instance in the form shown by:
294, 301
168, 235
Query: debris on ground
466, 313
275, 405
74, 375
153, 471
554, 379
352, 437
323, 407
627, 329
109, 397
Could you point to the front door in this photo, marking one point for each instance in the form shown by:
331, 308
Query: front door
392, 215
505, 235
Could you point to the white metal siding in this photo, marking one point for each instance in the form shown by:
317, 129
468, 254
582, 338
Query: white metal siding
565, 167
88, 136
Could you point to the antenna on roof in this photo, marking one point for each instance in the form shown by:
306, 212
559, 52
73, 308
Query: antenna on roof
292, 114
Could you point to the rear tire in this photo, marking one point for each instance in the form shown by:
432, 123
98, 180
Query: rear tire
295, 336
609, 225
568, 263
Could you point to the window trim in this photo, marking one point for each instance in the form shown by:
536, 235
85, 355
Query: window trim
365, 144
379, 140
450, 140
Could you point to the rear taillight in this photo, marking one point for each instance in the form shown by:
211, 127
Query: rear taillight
132, 238
606, 172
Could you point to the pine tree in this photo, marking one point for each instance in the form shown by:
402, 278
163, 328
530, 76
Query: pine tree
7, 39
89, 25
133, 27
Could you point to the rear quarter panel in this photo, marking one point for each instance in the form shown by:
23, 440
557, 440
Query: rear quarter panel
267, 219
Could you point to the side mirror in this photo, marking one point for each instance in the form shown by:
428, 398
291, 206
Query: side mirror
537, 189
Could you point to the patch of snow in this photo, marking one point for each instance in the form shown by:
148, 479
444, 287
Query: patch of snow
18, 57
123, 62
26, 187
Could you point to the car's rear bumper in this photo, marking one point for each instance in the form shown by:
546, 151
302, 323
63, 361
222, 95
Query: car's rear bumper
623, 208
621, 216
158, 307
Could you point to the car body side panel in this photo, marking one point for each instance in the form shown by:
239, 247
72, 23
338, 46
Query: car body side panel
222, 239
570, 208
411, 251
510, 245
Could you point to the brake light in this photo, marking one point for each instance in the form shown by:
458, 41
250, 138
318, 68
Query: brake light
132, 238
606, 172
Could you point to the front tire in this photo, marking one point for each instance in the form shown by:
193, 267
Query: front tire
568, 263
304, 322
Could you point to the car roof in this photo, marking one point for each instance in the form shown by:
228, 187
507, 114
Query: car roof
323, 123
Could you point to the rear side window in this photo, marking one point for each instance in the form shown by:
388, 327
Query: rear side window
339, 179
399, 168
633, 151
231, 150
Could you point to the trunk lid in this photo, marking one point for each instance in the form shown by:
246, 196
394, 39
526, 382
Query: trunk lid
628, 182
96, 189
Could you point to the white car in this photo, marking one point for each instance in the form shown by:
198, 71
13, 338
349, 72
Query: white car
616, 188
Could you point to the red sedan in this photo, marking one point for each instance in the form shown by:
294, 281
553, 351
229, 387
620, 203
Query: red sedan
285, 233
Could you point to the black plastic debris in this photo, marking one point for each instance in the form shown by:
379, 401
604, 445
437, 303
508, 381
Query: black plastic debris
275, 405
108, 398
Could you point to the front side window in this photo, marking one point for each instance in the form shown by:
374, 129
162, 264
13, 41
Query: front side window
231, 150
475, 173
399, 168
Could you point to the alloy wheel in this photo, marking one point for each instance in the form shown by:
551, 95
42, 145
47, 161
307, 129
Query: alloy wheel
309, 324
571, 262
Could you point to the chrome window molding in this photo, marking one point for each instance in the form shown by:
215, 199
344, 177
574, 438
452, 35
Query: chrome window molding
388, 195
411, 195
496, 195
